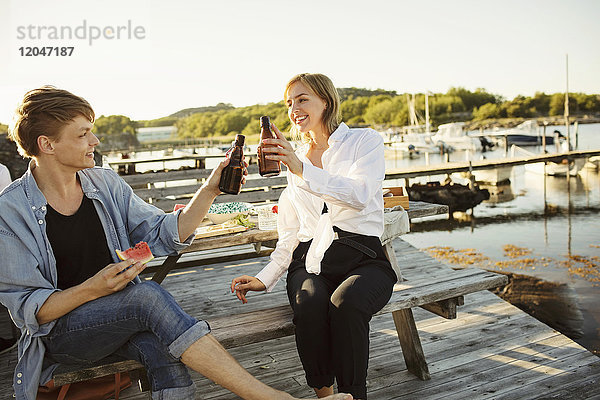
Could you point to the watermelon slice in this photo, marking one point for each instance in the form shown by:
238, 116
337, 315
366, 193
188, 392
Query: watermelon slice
178, 206
140, 252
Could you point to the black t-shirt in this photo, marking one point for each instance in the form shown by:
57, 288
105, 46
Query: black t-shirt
79, 244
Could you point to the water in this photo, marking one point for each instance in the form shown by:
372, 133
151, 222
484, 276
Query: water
557, 236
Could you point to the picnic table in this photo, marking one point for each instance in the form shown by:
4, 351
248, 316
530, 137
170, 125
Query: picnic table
394, 222
271, 316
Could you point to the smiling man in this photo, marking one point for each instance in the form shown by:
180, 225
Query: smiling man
60, 276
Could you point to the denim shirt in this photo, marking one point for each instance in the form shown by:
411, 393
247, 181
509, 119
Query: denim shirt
27, 265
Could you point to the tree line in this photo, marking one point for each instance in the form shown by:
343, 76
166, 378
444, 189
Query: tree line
380, 108
387, 108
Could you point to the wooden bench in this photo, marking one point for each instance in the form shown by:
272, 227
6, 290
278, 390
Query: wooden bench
165, 189
440, 293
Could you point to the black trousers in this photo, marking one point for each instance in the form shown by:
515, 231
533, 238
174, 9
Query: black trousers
332, 310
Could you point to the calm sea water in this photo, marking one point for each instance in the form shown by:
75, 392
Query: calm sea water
557, 234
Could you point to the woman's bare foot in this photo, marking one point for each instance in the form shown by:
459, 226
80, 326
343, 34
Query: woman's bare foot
324, 391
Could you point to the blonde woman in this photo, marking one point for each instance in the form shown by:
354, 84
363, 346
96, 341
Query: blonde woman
329, 222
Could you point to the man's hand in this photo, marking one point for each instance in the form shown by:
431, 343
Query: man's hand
243, 284
113, 278
110, 279
212, 183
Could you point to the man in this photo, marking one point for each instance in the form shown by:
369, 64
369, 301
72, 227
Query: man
59, 275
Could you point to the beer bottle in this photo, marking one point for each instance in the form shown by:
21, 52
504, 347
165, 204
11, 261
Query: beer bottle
231, 176
266, 167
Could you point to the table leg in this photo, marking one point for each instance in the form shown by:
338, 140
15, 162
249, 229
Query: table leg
388, 249
411, 344
165, 268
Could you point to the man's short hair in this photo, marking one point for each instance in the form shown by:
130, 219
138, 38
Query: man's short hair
45, 111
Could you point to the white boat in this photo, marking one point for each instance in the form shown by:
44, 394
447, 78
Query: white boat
551, 168
526, 134
414, 141
592, 163
452, 135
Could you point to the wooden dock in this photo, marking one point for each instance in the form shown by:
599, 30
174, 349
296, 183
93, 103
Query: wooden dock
491, 351
465, 166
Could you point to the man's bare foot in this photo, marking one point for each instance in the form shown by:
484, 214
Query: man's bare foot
324, 391
339, 396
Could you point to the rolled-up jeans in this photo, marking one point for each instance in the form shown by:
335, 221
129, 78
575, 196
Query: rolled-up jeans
142, 322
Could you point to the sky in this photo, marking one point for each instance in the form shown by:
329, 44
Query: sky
172, 55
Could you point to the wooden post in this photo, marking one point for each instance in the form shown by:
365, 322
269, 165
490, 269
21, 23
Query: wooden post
411, 344
544, 138
567, 107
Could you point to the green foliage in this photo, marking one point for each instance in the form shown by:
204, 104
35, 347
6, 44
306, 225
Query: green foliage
487, 111
474, 99
374, 107
114, 125
347, 93
189, 111
3, 128
244, 120
164, 121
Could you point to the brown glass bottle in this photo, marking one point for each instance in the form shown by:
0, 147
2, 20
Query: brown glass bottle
266, 167
231, 177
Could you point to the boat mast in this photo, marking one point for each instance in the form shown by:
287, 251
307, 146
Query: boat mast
567, 108
427, 113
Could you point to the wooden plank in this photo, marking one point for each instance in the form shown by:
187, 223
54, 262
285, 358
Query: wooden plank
221, 258
181, 190
94, 372
177, 175
253, 196
461, 283
411, 344
419, 209
448, 168
246, 237
445, 308
529, 373
206, 231
241, 328
388, 249
167, 176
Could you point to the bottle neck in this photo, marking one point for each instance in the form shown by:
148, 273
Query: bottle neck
265, 133
236, 154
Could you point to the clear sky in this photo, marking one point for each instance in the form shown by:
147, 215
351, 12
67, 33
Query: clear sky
191, 53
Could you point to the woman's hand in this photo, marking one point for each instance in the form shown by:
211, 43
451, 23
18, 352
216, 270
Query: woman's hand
243, 284
282, 150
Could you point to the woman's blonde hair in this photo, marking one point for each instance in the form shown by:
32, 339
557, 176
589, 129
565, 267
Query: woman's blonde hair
322, 86
45, 111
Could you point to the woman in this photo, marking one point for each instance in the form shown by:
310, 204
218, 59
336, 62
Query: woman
329, 222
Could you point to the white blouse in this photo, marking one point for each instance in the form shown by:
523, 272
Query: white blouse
350, 183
